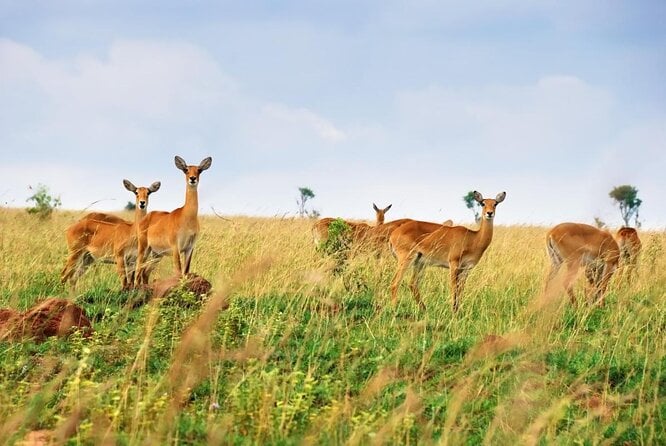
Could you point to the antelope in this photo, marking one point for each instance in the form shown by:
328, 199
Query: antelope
105, 237
378, 236
579, 245
176, 232
320, 228
419, 244
630, 248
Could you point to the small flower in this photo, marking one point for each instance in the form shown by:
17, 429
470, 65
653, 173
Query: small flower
214, 406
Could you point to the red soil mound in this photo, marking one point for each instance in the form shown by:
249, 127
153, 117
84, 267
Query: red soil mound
51, 317
192, 282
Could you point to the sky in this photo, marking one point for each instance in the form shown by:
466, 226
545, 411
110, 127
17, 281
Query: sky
407, 103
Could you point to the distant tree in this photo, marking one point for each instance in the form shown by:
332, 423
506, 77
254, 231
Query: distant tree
626, 197
130, 206
472, 204
44, 203
305, 195
599, 223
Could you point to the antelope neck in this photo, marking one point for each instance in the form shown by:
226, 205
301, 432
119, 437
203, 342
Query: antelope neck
191, 207
139, 213
485, 233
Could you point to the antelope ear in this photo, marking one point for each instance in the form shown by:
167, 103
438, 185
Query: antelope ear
374, 206
205, 164
154, 187
387, 207
129, 186
478, 197
500, 197
180, 163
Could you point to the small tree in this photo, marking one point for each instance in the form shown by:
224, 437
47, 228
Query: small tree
130, 206
45, 204
599, 223
626, 197
305, 194
472, 204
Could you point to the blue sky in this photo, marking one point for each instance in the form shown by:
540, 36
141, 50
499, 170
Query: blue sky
411, 103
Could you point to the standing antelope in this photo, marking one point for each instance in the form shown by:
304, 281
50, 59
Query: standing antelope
105, 237
380, 213
580, 245
458, 248
377, 237
162, 232
320, 228
630, 248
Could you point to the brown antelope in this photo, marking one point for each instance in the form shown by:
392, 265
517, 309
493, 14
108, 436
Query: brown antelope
630, 248
175, 231
106, 237
416, 244
320, 228
579, 245
377, 237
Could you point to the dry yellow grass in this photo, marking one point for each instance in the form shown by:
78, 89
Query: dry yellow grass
303, 355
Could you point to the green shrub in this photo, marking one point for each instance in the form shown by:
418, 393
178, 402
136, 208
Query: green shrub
337, 243
45, 204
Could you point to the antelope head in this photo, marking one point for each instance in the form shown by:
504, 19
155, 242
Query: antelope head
141, 192
488, 204
192, 172
381, 212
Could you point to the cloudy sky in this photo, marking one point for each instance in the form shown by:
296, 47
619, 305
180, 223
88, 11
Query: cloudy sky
412, 103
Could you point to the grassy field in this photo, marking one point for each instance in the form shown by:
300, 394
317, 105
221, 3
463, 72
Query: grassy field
285, 352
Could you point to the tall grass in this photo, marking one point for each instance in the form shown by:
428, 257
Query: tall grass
284, 351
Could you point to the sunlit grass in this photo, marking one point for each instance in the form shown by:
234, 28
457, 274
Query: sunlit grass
284, 351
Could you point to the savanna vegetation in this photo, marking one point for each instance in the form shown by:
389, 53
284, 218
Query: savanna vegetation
285, 351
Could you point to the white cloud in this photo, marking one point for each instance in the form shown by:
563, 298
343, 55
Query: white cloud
19, 62
128, 103
304, 118
141, 98
553, 117
96, 120
142, 78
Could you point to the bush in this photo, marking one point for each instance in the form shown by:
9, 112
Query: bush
339, 237
338, 242
45, 204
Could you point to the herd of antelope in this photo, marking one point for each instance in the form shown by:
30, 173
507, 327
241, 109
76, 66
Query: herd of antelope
417, 244
135, 247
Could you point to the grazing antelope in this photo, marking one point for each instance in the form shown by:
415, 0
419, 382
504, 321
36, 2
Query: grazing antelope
630, 248
458, 248
320, 228
105, 237
176, 232
579, 245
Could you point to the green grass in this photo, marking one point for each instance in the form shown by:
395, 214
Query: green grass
302, 355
